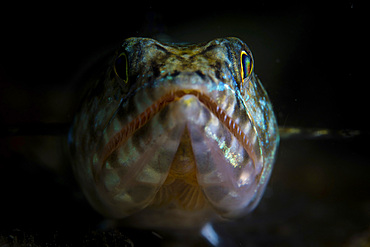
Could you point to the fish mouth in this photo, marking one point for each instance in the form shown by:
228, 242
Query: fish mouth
129, 129
223, 166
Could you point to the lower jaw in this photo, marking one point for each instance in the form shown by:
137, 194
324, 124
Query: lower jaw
218, 171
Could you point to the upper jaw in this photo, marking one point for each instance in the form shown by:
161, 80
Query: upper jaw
216, 97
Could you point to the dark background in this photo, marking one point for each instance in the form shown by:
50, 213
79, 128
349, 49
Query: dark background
309, 57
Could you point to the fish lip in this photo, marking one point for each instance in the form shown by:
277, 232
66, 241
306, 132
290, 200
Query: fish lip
129, 129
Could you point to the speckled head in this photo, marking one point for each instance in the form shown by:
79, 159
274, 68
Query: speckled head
184, 127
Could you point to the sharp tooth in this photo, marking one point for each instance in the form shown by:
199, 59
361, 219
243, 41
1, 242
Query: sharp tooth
144, 117
153, 108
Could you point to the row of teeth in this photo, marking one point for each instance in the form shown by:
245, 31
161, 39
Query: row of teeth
146, 115
232, 125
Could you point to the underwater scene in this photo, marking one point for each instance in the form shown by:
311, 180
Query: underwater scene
274, 160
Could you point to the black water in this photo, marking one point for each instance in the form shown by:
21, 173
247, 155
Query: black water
308, 56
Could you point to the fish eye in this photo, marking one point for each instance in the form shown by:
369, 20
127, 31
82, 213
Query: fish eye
121, 67
246, 64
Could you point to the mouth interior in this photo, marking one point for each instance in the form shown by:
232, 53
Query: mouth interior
119, 138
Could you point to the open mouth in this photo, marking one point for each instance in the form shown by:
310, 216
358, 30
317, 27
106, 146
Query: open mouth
222, 156
128, 130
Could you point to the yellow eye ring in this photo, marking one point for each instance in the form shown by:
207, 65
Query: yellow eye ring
246, 64
121, 67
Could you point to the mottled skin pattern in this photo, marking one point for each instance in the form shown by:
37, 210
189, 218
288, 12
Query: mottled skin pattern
178, 132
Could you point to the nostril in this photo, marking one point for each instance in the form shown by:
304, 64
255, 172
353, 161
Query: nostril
201, 74
175, 73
